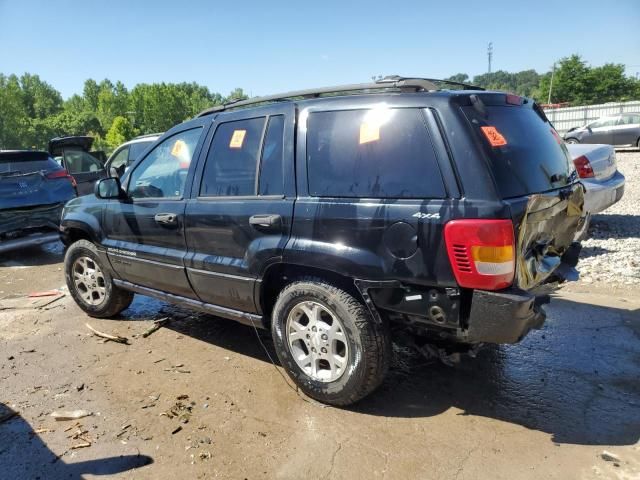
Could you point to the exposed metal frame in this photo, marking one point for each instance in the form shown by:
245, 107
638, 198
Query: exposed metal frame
379, 86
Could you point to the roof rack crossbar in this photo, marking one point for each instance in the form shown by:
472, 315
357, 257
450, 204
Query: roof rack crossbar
387, 83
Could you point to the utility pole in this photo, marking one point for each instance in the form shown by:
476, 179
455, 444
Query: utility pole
489, 55
551, 83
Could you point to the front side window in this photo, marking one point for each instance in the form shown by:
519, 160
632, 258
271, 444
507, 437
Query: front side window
230, 169
375, 153
163, 173
120, 158
605, 122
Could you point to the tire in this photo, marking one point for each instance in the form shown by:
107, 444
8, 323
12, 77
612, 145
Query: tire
638, 144
105, 299
364, 345
572, 140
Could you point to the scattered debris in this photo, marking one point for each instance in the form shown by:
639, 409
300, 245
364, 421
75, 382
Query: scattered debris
71, 415
182, 397
81, 445
176, 430
157, 324
609, 457
31, 350
80, 387
113, 338
48, 293
44, 430
204, 455
180, 410
159, 360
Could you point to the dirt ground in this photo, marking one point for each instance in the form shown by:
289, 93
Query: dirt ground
200, 398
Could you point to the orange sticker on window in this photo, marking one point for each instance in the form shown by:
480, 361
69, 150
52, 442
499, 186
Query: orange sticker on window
237, 139
178, 148
369, 132
494, 136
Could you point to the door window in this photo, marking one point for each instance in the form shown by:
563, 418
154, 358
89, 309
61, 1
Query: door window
120, 158
605, 122
78, 161
231, 164
163, 172
630, 119
376, 153
272, 155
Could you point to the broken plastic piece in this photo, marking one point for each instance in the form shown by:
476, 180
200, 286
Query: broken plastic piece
71, 415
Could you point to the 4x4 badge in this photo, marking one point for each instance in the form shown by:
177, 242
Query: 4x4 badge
426, 215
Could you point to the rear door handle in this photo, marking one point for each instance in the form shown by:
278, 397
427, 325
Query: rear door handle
166, 218
268, 220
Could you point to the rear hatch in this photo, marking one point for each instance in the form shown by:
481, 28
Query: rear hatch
535, 177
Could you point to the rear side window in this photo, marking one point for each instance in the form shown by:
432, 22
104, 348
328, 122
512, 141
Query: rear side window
529, 158
376, 153
135, 149
230, 169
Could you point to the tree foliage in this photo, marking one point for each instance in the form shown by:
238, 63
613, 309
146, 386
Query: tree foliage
32, 111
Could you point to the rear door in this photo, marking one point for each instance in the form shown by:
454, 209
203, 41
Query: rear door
144, 234
84, 167
627, 131
535, 177
239, 216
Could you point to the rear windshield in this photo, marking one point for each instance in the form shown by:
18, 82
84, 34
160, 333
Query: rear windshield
525, 153
19, 163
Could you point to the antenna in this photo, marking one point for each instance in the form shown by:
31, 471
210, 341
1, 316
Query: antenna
489, 55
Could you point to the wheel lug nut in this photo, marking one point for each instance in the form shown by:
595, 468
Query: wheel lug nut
324, 336
313, 329
323, 350
308, 336
313, 350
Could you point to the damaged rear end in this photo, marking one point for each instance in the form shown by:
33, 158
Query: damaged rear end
507, 269
33, 191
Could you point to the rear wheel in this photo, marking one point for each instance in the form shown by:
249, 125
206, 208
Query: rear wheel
572, 140
638, 144
328, 342
90, 284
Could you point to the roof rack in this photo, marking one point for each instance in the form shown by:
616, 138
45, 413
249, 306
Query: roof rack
393, 82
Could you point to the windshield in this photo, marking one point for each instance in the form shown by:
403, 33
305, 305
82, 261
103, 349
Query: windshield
21, 163
525, 153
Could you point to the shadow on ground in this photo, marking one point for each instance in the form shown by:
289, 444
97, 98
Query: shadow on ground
576, 379
46, 254
23, 454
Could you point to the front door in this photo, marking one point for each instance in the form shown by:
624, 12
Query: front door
145, 233
601, 131
239, 215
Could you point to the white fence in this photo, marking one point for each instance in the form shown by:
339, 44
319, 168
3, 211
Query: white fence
565, 118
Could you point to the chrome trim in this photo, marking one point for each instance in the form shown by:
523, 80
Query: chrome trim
220, 274
245, 318
144, 260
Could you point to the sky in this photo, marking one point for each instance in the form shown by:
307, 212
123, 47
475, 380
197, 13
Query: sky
271, 46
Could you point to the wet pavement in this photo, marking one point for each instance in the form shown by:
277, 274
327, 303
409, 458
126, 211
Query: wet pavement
545, 408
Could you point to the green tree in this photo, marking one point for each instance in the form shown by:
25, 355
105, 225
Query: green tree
121, 130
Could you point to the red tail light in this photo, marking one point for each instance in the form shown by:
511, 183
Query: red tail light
583, 166
62, 174
481, 252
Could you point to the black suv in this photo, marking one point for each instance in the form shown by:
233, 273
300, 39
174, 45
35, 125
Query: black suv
339, 218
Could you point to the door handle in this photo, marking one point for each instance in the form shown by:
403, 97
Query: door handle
166, 218
268, 220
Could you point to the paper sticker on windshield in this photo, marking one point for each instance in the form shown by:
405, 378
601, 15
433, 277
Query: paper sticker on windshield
369, 132
237, 139
178, 148
494, 136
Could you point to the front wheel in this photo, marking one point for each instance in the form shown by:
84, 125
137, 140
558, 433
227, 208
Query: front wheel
90, 284
572, 140
328, 342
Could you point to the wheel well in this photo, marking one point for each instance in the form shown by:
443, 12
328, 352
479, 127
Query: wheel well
280, 275
72, 235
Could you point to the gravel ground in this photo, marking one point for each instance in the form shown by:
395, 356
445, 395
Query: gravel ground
611, 254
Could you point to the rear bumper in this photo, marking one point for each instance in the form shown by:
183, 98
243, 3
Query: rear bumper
505, 316
600, 195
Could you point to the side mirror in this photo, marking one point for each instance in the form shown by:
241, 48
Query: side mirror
589, 130
109, 188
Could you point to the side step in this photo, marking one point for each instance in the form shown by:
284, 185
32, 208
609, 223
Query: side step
245, 318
